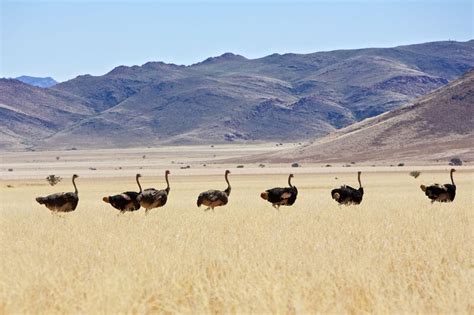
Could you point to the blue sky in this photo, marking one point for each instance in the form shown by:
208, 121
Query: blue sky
67, 38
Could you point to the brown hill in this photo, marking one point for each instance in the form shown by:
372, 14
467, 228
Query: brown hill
229, 98
290, 97
437, 126
29, 114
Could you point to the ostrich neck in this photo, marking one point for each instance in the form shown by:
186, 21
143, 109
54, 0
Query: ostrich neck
452, 180
358, 178
289, 181
167, 183
139, 186
74, 184
227, 191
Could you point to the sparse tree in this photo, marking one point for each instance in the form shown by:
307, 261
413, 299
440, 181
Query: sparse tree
53, 179
415, 174
455, 162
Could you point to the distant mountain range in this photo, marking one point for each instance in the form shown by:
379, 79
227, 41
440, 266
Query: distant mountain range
438, 126
290, 97
36, 81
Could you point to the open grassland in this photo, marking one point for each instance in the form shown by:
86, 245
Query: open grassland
394, 253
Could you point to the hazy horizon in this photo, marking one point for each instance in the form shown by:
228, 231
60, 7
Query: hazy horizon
63, 39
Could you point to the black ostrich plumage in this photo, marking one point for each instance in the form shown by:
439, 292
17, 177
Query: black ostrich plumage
347, 195
126, 201
441, 193
281, 196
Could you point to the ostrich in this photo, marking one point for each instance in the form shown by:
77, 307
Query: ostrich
441, 193
61, 202
215, 198
126, 201
151, 198
281, 196
346, 195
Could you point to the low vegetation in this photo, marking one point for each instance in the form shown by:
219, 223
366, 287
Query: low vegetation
381, 257
53, 179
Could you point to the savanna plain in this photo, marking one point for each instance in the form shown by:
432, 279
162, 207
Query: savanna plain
394, 253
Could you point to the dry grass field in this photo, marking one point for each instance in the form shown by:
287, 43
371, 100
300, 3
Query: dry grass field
395, 253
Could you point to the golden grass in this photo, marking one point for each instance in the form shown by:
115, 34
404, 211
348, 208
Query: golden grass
394, 253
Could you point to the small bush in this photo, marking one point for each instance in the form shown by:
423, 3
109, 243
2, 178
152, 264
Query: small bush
240, 166
53, 179
401, 164
455, 162
9, 186
295, 165
328, 165
57, 158
144, 157
92, 168
10, 169
415, 174
261, 165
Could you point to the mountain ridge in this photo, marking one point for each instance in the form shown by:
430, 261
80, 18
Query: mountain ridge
230, 98
43, 82
435, 126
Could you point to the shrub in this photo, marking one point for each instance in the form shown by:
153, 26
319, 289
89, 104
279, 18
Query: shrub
401, 164
295, 165
57, 158
240, 166
455, 162
53, 179
415, 174
261, 165
10, 169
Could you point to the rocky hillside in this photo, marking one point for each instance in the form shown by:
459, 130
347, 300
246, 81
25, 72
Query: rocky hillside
288, 97
30, 114
436, 126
